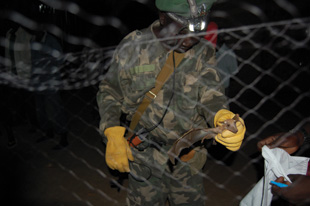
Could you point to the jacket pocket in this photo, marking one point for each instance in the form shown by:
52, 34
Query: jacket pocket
142, 77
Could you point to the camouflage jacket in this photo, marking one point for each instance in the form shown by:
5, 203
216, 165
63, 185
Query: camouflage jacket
135, 65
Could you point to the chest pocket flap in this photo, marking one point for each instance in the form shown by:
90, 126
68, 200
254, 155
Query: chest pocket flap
143, 77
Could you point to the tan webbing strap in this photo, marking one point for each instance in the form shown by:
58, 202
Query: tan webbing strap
161, 79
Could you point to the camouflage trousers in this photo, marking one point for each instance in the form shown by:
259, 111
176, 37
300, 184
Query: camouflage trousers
152, 182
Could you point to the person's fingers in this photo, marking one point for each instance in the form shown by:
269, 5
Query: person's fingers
267, 141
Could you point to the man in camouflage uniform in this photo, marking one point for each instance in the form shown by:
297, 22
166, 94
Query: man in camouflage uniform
195, 96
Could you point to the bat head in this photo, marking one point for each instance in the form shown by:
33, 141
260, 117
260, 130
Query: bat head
231, 124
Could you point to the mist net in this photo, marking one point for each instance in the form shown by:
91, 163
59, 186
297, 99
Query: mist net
266, 83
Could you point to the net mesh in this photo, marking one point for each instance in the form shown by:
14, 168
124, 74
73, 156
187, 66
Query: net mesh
269, 89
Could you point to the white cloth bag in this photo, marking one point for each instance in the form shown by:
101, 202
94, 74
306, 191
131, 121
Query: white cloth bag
277, 163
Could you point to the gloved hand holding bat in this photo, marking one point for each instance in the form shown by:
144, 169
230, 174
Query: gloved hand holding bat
232, 140
229, 131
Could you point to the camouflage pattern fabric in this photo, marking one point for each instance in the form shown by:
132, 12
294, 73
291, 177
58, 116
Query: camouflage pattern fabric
152, 181
198, 95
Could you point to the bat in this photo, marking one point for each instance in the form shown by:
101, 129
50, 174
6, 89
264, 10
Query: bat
197, 134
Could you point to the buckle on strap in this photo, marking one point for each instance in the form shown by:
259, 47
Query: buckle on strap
153, 95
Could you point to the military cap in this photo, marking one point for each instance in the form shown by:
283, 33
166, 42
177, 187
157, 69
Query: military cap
181, 7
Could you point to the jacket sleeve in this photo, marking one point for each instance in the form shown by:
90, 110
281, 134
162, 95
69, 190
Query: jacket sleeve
114, 88
110, 98
211, 92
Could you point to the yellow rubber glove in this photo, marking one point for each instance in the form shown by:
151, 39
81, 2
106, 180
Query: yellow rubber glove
230, 140
118, 151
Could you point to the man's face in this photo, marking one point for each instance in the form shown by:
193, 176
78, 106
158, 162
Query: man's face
177, 36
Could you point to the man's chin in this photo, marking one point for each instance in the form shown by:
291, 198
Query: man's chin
176, 48
181, 50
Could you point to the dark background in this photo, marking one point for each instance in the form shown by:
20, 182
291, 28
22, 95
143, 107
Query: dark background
139, 14
270, 91
261, 91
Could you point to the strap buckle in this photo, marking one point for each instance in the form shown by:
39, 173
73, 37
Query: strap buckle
153, 95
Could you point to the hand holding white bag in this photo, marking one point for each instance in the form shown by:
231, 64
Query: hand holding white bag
277, 163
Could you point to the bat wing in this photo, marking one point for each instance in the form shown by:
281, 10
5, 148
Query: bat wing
186, 141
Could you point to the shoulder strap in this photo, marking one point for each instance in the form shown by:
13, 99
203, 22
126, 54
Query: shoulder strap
162, 77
